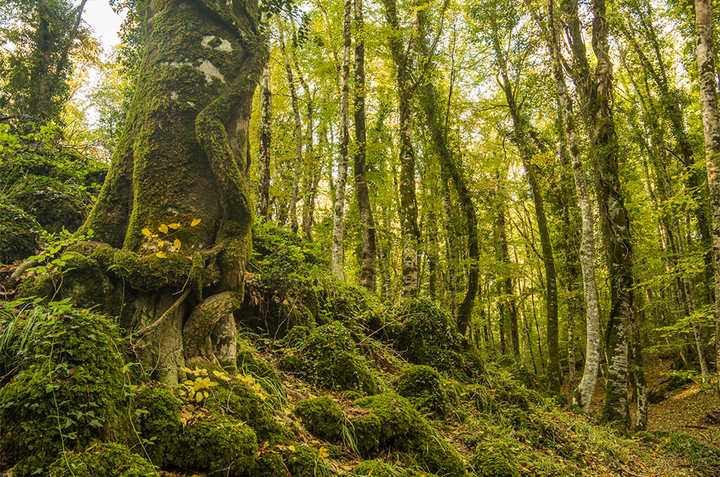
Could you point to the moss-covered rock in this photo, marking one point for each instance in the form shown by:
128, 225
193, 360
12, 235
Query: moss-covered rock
159, 413
393, 424
322, 417
303, 460
102, 460
330, 358
218, 444
54, 204
377, 468
426, 334
423, 386
488, 463
19, 234
69, 393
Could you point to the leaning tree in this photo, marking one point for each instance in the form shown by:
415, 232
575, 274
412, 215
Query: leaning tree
172, 225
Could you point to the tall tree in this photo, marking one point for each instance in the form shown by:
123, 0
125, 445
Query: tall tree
362, 190
707, 77
175, 214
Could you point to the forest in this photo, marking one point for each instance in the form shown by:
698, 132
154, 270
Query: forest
393, 238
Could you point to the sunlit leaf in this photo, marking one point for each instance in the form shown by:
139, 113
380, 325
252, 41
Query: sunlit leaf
194, 222
174, 226
146, 232
161, 254
163, 228
176, 244
161, 243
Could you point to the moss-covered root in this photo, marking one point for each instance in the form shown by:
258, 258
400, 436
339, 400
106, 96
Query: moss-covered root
393, 424
218, 444
102, 460
322, 417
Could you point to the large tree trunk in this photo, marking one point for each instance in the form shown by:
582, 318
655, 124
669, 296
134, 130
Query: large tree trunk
711, 122
176, 202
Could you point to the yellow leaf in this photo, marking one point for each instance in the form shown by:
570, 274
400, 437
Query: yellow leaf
176, 243
187, 370
291, 448
163, 228
154, 235
161, 243
194, 222
161, 254
174, 226
146, 232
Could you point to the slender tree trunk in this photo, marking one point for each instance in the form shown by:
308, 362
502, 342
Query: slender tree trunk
362, 191
297, 133
553, 370
707, 78
338, 249
263, 206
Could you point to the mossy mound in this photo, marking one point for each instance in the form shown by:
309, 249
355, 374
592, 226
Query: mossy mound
489, 463
426, 334
159, 412
322, 417
54, 204
240, 397
19, 234
102, 460
377, 468
69, 393
423, 386
250, 362
217, 444
329, 357
393, 424
701, 455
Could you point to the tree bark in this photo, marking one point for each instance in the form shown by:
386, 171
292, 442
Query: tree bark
263, 206
707, 79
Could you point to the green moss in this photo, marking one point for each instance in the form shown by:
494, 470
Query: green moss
376, 468
69, 391
19, 234
54, 204
427, 334
303, 460
102, 460
158, 413
488, 463
269, 464
249, 362
393, 424
218, 444
423, 386
322, 417
152, 273
330, 358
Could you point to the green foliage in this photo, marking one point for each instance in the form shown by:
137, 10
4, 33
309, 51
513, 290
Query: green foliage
218, 443
102, 460
70, 390
322, 417
424, 387
378, 468
704, 458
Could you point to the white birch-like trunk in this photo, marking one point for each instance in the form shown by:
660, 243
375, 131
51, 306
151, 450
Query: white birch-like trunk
338, 251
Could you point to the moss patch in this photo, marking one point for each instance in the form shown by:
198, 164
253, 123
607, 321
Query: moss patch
102, 460
218, 444
322, 417
393, 424
19, 234
158, 412
423, 386
70, 391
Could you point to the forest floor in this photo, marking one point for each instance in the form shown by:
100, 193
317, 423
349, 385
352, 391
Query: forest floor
683, 410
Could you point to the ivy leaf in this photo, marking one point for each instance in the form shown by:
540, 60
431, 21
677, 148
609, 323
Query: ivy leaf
176, 244
163, 228
146, 232
194, 222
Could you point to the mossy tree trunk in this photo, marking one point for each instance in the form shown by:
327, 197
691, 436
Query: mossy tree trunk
175, 207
